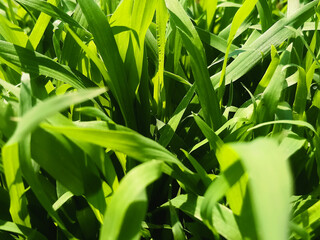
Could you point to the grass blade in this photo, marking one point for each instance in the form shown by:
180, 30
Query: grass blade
49, 9
238, 19
106, 44
24, 60
127, 208
223, 219
275, 35
207, 96
270, 187
49, 107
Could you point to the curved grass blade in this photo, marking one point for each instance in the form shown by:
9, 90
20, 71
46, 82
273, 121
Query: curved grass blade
49, 9
133, 145
128, 205
49, 107
177, 78
24, 60
275, 35
127, 142
9, 87
292, 122
21, 230
27, 165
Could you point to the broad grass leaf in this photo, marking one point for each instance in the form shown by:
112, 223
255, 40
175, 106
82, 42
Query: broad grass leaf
270, 186
316, 99
71, 52
291, 143
44, 149
133, 145
237, 192
136, 15
91, 55
7, 111
128, 142
309, 58
11, 168
310, 75
128, 205
293, 5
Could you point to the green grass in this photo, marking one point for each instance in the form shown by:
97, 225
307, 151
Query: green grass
159, 119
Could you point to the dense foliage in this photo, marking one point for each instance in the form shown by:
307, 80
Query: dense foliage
159, 119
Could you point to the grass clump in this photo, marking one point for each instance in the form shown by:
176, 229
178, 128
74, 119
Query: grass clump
159, 119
